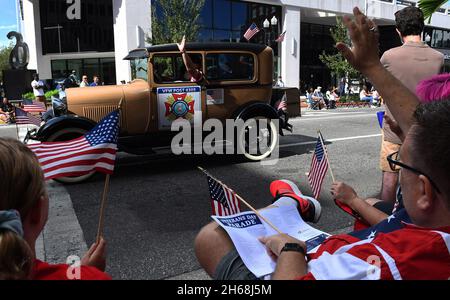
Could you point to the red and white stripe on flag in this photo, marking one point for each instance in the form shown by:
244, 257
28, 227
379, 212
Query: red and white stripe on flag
319, 167
35, 107
233, 204
223, 200
94, 151
74, 158
251, 31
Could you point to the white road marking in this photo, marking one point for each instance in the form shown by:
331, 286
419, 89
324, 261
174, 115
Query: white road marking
340, 116
332, 140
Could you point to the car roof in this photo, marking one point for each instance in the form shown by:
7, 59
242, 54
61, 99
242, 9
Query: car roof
143, 52
251, 47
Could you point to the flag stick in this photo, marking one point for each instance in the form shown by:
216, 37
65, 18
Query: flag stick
243, 201
102, 209
326, 154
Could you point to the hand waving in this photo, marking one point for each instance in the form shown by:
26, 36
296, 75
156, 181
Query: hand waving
182, 45
363, 55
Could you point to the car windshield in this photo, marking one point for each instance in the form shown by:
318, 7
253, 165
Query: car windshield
139, 68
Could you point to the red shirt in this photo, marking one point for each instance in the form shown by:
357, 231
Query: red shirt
409, 253
45, 271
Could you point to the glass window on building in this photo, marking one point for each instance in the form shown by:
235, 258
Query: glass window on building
446, 39
92, 32
436, 39
230, 66
105, 68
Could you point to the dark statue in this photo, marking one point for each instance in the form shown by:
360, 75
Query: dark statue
20, 54
17, 80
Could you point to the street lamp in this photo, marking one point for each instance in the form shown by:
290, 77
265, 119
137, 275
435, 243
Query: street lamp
266, 26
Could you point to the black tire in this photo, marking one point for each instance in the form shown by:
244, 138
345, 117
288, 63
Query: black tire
66, 134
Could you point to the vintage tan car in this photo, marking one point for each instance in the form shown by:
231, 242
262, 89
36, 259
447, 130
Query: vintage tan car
237, 84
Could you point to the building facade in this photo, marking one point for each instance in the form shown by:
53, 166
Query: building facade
93, 36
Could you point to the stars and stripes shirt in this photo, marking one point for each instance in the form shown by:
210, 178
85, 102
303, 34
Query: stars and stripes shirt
94, 151
23, 117
223, 200
251, 31
412, 252
319, 167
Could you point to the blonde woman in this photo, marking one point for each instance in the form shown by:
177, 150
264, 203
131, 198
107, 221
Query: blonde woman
23, 214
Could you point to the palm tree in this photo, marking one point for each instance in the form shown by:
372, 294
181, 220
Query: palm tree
430, 6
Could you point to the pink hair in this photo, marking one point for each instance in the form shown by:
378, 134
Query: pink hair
434, 88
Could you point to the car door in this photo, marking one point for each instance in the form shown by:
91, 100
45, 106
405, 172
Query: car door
173, 96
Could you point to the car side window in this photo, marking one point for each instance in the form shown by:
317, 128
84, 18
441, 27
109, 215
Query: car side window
229, 66
170, 68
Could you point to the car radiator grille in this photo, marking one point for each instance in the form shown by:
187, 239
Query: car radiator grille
96, 113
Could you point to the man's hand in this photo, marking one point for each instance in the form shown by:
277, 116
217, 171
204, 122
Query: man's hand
343, 193
182, 45
275, 243
363, 32
96, 256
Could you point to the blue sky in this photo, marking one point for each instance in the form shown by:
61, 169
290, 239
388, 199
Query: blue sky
7, 20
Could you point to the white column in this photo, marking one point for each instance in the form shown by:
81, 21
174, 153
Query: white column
290, 48
31, 32
132, 20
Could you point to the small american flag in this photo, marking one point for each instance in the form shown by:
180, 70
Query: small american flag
251, 31
94, 151
223, 200
34, 106
319, 167
22, 117
280, 39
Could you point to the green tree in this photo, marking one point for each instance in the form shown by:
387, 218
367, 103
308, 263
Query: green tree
171, 19
334, 61
4, 59
430, 6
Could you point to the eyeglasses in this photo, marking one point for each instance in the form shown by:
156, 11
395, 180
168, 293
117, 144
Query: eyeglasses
394, 160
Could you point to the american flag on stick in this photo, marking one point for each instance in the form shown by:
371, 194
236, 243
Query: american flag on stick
251, 31
34, 106
22, 117
280, 38
223, 199
94, 151
319, 167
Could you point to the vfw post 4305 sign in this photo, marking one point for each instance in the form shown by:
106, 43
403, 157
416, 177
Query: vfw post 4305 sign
183, 103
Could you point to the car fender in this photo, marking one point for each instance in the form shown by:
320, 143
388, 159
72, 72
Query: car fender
65, 121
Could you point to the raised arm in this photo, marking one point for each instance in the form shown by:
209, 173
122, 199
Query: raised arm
190, 67
363, 56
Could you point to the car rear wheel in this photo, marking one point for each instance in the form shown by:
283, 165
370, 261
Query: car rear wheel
67, 134
258, 138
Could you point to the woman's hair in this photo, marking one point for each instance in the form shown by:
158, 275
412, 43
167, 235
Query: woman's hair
22, 181
21, 186
16, 258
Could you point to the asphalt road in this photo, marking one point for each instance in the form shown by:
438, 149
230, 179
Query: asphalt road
157, 205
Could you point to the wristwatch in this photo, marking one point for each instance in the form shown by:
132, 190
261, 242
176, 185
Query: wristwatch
293, 247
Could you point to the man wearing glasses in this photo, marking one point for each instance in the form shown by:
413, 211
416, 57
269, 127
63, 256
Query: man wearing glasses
419, 250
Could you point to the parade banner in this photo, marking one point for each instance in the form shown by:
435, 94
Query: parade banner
181, 103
